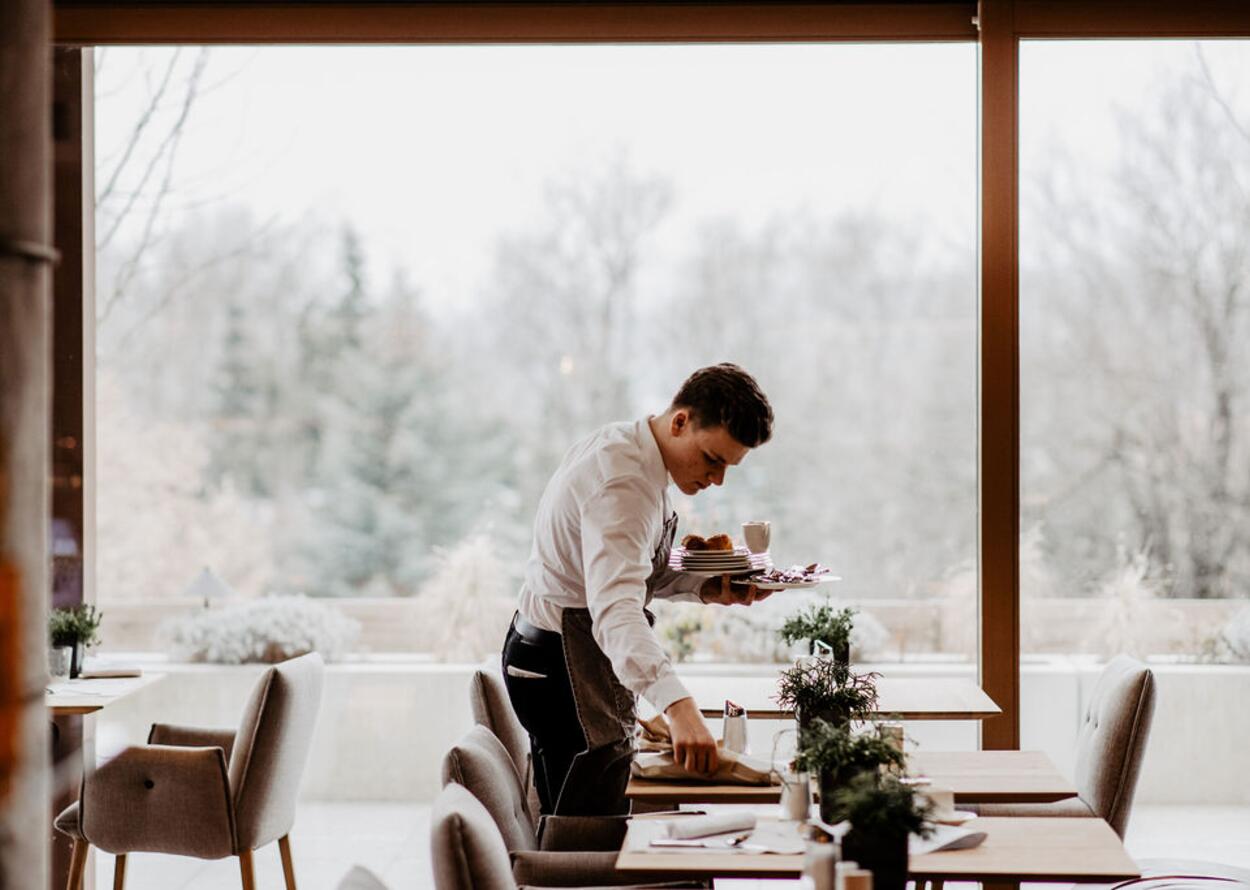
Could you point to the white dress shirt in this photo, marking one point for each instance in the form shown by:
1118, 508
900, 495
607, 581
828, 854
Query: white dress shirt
599, 524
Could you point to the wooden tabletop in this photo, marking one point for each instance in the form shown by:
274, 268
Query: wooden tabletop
993, 776
974, 776
88, 696
908, 698
1038, 849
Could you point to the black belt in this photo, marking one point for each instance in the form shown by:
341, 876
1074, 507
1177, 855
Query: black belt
536, 635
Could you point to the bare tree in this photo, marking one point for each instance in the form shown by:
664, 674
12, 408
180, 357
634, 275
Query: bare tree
1142, 313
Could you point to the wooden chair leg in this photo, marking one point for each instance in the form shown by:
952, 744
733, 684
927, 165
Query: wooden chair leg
245, 868
288, 867
77, 864
119, 872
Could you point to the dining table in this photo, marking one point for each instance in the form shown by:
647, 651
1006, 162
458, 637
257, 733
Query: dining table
901, 698
1041, 849
974, 777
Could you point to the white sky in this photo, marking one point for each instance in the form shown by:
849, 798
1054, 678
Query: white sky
432, 151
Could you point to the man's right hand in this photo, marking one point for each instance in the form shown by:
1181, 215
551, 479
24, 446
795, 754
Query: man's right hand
693, 744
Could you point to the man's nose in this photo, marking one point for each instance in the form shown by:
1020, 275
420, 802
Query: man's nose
718, 476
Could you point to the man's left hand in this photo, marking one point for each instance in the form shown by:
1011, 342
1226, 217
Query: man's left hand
726, 593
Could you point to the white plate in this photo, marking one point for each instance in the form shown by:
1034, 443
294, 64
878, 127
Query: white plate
688, 560
795, 585
725, 567
959, 817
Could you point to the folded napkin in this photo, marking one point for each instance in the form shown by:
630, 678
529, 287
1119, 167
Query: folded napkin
656, 760
706, 826
945, 837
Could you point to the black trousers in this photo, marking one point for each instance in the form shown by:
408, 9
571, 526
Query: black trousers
537, 678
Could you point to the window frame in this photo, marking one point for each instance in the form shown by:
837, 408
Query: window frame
997, 26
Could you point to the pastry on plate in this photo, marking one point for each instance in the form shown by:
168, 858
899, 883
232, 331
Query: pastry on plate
720, 542
693, 542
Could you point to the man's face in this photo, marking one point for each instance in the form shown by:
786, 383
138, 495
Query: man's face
699, 455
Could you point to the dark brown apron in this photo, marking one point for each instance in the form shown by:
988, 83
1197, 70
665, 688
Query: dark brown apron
605, 708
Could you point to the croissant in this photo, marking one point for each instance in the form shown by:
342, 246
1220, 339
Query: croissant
694, 542
720, 542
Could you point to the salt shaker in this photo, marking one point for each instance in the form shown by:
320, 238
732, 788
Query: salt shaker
819, 863
841, 870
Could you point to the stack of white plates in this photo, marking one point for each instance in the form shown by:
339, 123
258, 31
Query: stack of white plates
716, 562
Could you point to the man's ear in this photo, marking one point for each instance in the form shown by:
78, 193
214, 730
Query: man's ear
679, 422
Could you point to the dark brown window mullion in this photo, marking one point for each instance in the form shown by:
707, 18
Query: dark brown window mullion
999, 372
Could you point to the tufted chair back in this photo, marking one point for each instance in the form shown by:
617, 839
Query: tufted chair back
1112, 739
480, 763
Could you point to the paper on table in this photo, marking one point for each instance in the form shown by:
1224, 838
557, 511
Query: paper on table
945, 837
705, 826
778, 838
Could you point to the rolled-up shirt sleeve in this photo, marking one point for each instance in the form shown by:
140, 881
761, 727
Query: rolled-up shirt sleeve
620, 524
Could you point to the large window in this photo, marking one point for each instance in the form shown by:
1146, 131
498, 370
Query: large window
1135, 386
343, 343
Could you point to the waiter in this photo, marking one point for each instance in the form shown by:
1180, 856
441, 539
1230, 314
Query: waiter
581, 647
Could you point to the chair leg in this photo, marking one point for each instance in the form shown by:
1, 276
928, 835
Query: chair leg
77, 864
245, 868
288, 867
119, 871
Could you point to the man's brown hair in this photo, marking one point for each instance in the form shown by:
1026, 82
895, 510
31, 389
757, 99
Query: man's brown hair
725, 395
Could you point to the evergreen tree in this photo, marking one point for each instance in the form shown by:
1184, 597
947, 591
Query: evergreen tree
240, 444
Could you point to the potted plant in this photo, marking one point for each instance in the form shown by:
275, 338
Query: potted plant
825, 689
883, 813
836, 755
75, 628
821, 623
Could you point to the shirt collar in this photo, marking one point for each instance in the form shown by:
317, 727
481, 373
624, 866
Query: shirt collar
652, 460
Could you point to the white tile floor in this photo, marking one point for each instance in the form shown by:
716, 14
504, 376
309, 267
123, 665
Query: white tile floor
393, 841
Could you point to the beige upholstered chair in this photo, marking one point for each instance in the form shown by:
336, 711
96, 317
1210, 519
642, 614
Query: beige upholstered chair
488, 698
480, 763
492, 708
564, 850
469, 853
1110, 747
205, 793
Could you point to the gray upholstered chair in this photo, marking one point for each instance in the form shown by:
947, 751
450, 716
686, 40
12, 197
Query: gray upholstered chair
564, 850
1110, 746
205, 793
468, 851
480, 763
488, 699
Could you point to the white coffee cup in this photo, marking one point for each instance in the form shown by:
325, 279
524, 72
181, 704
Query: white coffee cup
796, 796
756, 535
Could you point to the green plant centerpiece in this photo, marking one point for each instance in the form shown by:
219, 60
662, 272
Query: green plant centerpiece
77, 627
837, 755
821, 623
883, 812
826, 689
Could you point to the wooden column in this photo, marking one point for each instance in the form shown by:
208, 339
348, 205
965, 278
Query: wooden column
72, 100
72, 312
999, 373
25, 276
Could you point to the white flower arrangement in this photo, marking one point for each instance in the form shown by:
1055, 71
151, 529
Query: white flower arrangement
267, 631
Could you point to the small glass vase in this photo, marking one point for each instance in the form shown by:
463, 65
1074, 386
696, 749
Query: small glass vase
60, 659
